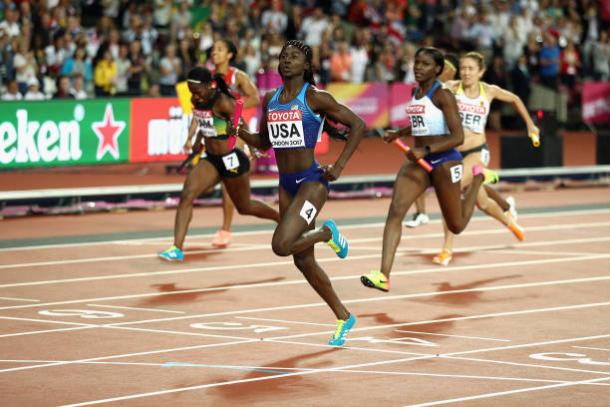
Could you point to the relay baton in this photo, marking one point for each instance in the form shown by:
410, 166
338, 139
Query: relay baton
535, 139
405, 148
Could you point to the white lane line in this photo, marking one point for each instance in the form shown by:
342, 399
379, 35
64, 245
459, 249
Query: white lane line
273, 377
47, 331
538, 252
320, 260
454, 336
47, 321
493, 231
479, 218
129, 257
509, 392
167, 331
18, 299
286, 321
137, 309
463, 318
126, 355
592, 348
537, 366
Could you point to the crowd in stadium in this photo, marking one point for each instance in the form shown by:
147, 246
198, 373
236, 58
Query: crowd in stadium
88, 48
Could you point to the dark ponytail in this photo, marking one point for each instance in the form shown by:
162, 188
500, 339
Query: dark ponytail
201, 75
222, 86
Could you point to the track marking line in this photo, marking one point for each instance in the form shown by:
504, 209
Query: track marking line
453, 336
48, 321
46, 331
286, 321
137, 309
18, 299
462, 318
508, 392
592, 348
476, 218
126, 355
273, 377
229, 250
539, 253
320, 260
169, 331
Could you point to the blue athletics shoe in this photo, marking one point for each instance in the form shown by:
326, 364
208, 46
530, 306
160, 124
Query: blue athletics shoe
343, 327
172, 254
338, 242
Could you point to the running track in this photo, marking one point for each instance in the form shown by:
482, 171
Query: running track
89, 315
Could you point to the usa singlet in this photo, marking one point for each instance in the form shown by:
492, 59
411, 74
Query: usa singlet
293, 124
426, 118
473, 111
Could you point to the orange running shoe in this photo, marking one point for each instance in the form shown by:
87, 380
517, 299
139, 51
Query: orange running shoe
443, 258
517, 231
222, 239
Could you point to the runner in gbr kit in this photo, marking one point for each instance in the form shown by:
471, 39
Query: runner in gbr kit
213, 107
293, 117
436, 126
474, 98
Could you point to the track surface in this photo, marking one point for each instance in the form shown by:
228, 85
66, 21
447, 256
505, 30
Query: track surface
89, 315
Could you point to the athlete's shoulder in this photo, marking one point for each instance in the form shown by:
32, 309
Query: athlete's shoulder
452, 85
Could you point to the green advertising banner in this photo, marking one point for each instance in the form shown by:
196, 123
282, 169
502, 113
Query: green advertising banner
64, 132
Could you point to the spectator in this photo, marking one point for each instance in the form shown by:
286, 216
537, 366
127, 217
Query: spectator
186, 53
163, 13
137, 70
25, 67
569, 64
360, 56
274, 19
313, 28
252, 59
170, 68
549, 62
10, 25
521, 79
123, 65
63, 88
601, 58
181, 21
513, 41
78, 65
12, 91
341, 64
105, 75
78, 87
532, 53
34, 92
56, 53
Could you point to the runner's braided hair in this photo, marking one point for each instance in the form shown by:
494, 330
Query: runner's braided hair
308, 52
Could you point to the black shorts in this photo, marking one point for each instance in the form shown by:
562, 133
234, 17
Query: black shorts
230, 165
483, 149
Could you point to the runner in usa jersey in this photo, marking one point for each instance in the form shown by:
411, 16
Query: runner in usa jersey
435, 123
474, 98
293, 117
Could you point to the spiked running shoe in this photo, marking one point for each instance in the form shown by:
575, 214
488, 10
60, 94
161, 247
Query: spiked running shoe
222, 239
172, 254
443, 258
337, 242
376, 279
517, 231
418, 219
343, 327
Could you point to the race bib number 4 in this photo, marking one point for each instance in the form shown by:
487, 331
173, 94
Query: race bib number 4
286, 128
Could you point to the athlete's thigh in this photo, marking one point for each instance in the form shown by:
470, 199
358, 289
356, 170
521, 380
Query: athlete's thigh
299, 213
411, 181
238, 188
469, 161
446, 180
201, 178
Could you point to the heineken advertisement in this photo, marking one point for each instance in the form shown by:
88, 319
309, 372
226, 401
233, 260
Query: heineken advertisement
64, 132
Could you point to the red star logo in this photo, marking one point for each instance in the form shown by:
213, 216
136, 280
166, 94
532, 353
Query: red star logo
108, 132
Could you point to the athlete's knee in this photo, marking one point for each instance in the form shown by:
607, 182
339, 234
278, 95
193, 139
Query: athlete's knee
303, 263
454, 227
187, 196
243, 209
281, 246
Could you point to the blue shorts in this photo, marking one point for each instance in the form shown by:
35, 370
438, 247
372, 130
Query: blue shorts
293, 181
437, 159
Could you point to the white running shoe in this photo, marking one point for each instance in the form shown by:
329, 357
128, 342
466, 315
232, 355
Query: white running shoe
512, 208
418, 220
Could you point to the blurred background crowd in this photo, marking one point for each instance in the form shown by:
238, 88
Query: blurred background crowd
101, 48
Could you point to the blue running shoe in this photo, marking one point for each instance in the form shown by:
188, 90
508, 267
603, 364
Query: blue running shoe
338, 242
172, 254
343, 327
